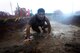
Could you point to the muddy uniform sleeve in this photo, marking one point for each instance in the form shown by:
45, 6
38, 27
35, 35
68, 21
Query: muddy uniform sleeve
48, 23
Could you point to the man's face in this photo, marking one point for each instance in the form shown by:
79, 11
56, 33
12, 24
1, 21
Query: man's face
41, 15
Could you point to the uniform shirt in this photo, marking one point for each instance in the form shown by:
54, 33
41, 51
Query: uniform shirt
35, 22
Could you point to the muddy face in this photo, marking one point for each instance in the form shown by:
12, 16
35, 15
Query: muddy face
41, 15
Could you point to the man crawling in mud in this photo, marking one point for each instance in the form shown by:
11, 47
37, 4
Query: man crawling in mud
38, 21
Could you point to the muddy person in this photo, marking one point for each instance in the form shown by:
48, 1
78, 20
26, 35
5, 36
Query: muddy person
39, 20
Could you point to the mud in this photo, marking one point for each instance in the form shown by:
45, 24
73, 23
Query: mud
63, 39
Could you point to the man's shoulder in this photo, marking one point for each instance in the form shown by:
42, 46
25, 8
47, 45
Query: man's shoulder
46, 17
32, 19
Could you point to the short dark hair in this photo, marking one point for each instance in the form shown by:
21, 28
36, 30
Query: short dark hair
41, 10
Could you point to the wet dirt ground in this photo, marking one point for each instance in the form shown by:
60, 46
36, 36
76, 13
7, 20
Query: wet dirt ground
61, 40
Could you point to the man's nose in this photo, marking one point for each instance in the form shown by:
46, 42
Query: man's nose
41, 16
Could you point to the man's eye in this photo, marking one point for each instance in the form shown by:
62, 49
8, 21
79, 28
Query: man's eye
41, 14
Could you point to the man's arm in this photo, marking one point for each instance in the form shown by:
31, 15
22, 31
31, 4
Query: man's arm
27, 31
30, 21
49, 25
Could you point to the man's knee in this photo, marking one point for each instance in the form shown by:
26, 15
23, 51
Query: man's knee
36, 29
44, 28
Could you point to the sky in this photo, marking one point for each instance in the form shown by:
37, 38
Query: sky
66, 6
